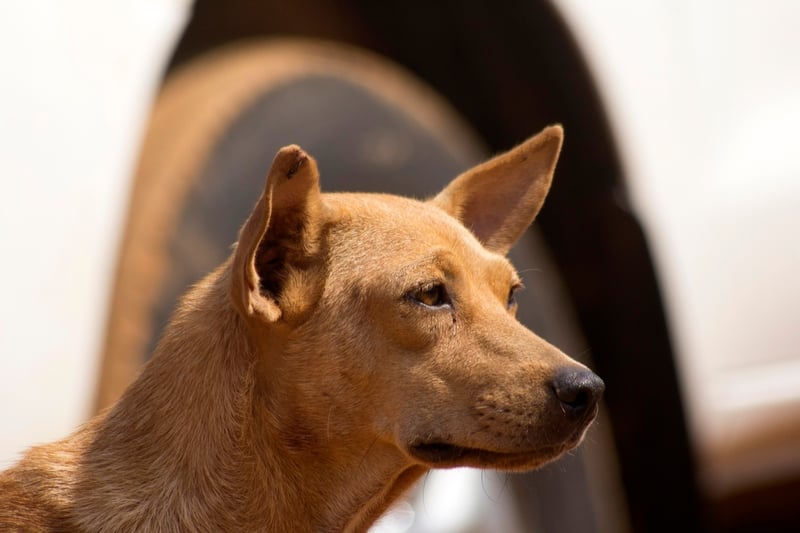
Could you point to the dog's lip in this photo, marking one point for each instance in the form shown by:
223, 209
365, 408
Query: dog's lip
439, 454
443, 453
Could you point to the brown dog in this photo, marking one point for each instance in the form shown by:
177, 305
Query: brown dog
351, 343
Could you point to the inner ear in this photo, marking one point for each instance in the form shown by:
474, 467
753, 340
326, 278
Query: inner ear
498, 200
283, 244
280, 232
269, 263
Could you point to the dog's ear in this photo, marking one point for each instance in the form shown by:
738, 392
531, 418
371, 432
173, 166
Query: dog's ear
497, 200
276, 234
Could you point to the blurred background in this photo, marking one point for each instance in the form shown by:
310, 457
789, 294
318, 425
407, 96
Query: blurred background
136, 137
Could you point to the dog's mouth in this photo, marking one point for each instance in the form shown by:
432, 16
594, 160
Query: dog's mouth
446, 454
438, 454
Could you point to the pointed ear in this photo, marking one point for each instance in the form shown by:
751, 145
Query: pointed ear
497, 200
276, 233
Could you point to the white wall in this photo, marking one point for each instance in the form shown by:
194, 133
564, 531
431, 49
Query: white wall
77, 79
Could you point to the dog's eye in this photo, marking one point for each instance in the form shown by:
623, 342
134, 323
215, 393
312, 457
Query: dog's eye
512, 295
431, 296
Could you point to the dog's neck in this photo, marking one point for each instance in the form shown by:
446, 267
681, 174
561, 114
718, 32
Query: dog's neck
215, 429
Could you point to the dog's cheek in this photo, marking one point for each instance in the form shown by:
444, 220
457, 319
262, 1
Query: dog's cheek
408, 327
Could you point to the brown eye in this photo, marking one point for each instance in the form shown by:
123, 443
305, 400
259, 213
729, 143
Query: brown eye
434, 295
512, 296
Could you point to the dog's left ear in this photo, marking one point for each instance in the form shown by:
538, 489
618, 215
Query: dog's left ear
278, 234
497, 200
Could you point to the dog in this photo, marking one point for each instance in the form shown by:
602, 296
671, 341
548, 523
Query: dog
350, 343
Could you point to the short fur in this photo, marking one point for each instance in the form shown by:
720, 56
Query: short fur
350, 343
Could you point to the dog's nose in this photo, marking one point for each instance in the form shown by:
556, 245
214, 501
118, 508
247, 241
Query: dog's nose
578, 391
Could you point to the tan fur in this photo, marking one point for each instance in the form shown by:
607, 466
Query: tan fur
304, 385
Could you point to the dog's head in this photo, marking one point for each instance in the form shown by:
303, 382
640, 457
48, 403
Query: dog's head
381, 320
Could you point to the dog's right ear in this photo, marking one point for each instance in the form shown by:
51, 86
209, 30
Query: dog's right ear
276, 233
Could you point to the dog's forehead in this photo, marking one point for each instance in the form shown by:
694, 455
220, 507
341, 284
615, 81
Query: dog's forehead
395, 220
398, 231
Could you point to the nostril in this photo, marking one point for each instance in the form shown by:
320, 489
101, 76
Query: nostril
578, 390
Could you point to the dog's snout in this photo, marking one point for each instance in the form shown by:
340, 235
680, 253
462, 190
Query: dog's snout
578, 391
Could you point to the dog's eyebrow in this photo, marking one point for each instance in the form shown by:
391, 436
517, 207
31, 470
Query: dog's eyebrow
434, 260
443, 261
500, 263
516, 279
438, 259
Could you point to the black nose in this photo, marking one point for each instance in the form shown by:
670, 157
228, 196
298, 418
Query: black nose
578, 391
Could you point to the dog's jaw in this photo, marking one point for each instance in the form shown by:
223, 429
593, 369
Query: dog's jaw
449, 453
